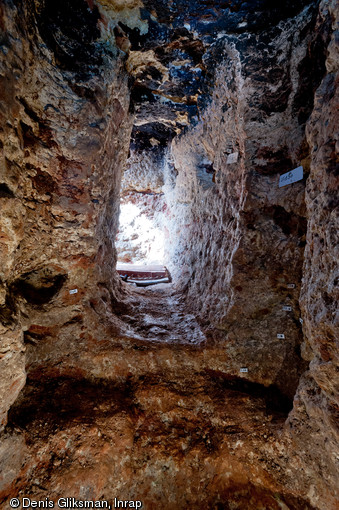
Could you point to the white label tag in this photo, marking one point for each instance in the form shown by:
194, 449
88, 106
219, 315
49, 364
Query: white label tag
293, 176
287, 308
73, 291
291, 286
244, 370
280, 336
232, 158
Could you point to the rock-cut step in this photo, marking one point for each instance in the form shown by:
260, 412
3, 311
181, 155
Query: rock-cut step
158, 315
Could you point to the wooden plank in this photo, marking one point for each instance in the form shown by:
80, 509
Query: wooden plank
145, 275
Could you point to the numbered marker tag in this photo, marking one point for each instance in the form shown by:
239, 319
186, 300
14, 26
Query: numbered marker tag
281, 336
287, 308
301, 320
244, 370
291, 286
232, 158
293, 176
73, 291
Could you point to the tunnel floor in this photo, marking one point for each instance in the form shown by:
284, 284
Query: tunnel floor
199, 439
165, 444
156, 425
157, 313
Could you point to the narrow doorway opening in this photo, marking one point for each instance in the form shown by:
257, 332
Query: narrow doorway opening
144, 220
141, 238
140, 241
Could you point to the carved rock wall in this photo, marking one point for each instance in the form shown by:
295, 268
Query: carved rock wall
63, 143
242, 237
314, 419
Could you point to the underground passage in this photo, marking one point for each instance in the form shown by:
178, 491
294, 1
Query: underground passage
169, 254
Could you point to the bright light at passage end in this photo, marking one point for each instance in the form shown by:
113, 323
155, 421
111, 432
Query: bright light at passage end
139, 239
